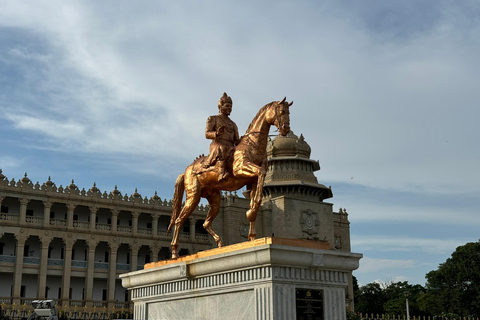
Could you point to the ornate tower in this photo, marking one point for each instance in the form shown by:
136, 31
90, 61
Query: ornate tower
293, 203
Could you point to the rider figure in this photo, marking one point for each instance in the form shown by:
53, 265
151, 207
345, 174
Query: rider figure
224, 133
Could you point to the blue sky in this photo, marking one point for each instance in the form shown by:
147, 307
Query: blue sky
385, 92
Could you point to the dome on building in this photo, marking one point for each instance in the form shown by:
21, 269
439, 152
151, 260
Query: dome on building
288, 146
290, 169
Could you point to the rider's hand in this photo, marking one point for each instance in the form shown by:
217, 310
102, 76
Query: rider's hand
220, 131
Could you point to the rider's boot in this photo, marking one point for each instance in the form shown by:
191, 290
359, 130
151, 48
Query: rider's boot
222, 173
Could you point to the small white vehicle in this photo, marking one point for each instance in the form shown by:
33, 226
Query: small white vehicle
43, 310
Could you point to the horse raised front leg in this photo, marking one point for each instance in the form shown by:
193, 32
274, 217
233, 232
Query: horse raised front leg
214, 201
191, 203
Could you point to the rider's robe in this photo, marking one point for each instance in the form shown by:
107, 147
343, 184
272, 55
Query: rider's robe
221, 145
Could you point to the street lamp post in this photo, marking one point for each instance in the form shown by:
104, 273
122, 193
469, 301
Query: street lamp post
406, 293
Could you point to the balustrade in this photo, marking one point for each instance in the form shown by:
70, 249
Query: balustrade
123, 267
81, 224
7, 259
27, 301
8, 217
36, 220
185, 235
58, 222
102, 226
162, 233
79, 264
202, 237
6, 300
77, 303
31, 260
145, 230
55, 262
101, 265
124, 229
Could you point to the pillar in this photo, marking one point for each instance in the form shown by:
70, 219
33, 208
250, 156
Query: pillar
112, 274
71, 209
47, 206
114, 220
17, 273
93, 217
135, 222
134, 257
155, 225
23, 210
154, 250
92, 245
42, 275
192, 228
67, 268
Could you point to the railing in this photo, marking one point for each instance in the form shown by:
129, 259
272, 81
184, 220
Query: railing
76, 309
55, 262
37, 220
9, 217
102, 226
79, 263
202, 236
123, 267
27, 301
185, 235
101, 265
120, 305
124, 229
31, 260
399, 317
145, 230
100, 304
58, 222
76, 303
8, 259
81, 224
5, 300
162, 233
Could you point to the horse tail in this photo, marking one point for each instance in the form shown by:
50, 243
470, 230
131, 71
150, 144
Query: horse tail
177, 200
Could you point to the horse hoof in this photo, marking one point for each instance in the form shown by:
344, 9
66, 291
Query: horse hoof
219, 243
251, 237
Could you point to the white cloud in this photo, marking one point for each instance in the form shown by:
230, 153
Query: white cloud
396, 243
8, 163
51, 128
377, 264
392, 107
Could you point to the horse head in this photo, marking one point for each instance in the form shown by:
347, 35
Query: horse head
279, 115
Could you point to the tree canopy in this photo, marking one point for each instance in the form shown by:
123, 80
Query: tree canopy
455, 286
454, 289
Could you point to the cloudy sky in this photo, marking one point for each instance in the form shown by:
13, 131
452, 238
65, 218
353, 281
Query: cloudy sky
385, 92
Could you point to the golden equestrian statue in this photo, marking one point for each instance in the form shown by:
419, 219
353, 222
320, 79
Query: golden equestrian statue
205, 178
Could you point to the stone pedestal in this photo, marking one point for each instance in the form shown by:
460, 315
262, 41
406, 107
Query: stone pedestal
269, 278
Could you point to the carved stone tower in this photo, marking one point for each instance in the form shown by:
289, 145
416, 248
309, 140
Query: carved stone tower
293, 202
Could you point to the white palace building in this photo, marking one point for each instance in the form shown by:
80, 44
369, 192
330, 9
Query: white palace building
71, 244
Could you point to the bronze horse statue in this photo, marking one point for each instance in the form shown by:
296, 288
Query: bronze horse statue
248, 169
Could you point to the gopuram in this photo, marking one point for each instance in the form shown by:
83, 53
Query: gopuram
290, 258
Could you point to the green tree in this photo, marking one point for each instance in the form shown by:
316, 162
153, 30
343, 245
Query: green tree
370, 299
455, 286
396, 294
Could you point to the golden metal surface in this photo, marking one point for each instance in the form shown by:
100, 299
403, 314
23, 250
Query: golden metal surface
231, 164
243, 245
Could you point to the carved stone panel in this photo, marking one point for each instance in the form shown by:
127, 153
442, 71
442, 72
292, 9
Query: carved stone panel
309, 222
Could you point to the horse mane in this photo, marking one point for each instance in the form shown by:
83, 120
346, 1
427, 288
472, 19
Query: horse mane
261, 111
